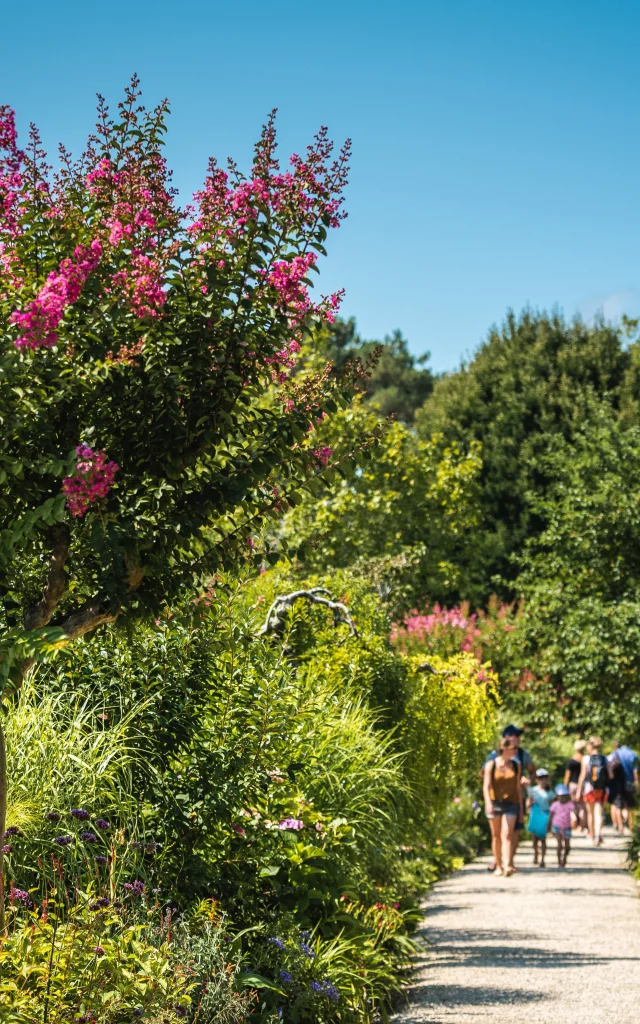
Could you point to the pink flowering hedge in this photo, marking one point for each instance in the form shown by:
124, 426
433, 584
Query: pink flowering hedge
494, 636
149, 420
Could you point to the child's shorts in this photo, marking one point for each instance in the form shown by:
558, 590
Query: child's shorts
557, 831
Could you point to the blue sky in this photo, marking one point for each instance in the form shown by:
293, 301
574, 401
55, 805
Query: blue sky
496, 150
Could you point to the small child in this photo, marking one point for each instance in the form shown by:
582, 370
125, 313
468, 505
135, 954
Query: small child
539, 799
560, 822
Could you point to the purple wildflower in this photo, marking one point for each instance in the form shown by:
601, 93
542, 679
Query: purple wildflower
101, 903
63, 840
53, 816
98, 950
293, 823
89, 837
307, 950
138, 1012
151, 847
135, 845
100, 859
277, 942
180, 1011
8, 848
102, 824
86, 1018
137, 887
330, 991
286, 977
13, 830
19, 894
316, 986
80, 814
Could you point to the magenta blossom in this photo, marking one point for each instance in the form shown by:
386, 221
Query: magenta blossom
38, 323
92, 480
292, 823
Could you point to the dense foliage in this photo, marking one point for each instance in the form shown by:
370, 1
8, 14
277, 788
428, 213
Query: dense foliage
530, 382
403, 519
581, 576
148, 422
284, 791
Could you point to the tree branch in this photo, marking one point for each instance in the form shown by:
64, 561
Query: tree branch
91, 615
40, 615
276, 616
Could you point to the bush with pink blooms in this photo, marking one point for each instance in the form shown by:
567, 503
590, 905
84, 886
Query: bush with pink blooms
149, 421
495, 637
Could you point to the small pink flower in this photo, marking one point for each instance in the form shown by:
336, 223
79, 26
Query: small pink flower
291, 823
92, 480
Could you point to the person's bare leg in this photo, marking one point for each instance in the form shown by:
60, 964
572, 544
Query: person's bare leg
590, 820
536, 852
597, 820
567, 848
630, 818
496, 840
544, 851
508, 846
515, 839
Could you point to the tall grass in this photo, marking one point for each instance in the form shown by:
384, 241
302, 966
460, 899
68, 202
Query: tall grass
64, 753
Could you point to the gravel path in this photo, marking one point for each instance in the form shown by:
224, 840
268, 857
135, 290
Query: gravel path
563, 946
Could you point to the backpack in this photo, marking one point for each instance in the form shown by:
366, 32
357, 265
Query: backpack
598, 772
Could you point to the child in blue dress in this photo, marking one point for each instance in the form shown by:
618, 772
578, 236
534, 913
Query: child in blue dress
539, 799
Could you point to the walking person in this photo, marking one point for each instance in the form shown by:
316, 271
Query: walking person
617, 790
504, 805
595, 776
627, 759
571, 779
539, 801
560, 822
527, 772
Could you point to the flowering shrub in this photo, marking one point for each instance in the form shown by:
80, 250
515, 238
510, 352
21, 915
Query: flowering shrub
494, 637
153, 345
59, 965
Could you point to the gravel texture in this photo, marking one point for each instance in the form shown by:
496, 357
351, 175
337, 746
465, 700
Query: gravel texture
561, 945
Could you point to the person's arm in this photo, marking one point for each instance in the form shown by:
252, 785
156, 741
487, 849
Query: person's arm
583, 775
486, 788
550, 819
567, 777
521, 792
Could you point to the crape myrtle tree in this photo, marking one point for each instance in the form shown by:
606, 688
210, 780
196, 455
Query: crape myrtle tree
149, 424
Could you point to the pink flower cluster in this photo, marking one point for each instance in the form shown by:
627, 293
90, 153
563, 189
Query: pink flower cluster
287, 278
291, 823
92, 479
39, 321
134, 199
10, 176
323, 455
445, 629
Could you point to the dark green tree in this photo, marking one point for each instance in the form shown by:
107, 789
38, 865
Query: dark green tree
581, 576
529, 380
